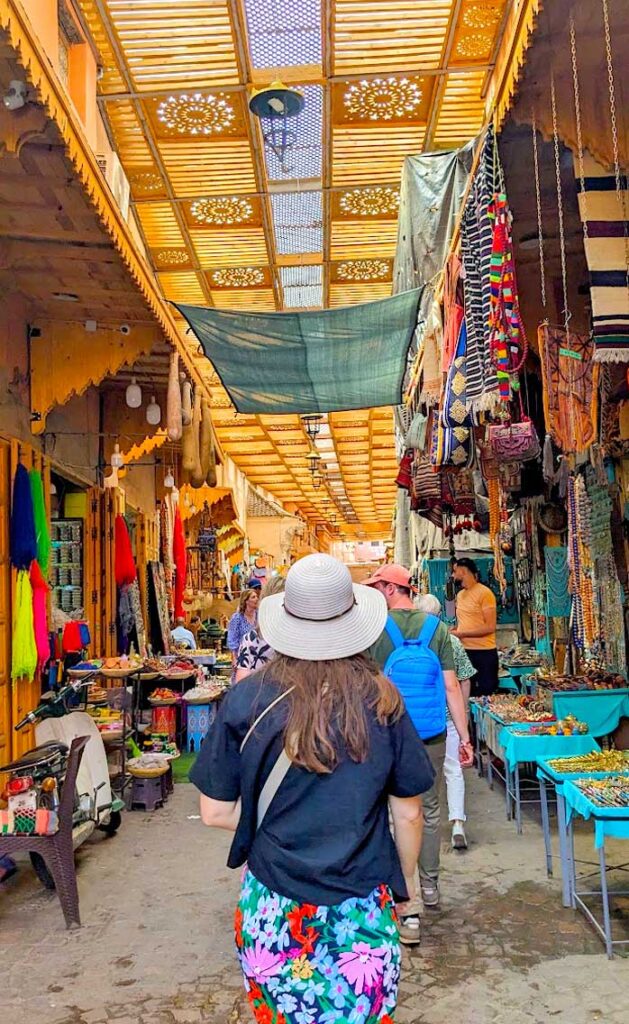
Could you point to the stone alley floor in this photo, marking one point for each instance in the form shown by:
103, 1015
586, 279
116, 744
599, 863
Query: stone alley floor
156, 945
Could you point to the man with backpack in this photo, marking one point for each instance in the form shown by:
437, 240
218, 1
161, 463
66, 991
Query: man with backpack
415, 652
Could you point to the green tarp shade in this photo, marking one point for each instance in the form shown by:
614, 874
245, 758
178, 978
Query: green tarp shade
319, 361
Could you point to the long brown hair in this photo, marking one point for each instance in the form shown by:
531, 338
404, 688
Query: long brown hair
331, 700
244, 597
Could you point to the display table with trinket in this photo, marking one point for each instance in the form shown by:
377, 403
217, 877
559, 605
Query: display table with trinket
524, 744
605, 802
597, 696
490, 715
552, 773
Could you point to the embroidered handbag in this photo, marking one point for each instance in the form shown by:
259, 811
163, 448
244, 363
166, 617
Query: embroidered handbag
514, 442
451, 446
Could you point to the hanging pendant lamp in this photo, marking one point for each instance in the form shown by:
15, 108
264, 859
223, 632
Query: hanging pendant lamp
133, 394
153, 412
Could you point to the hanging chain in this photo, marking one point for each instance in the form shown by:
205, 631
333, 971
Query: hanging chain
538, 196
620, 190
577, 115
562, 241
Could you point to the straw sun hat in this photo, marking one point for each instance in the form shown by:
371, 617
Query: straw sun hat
322, 615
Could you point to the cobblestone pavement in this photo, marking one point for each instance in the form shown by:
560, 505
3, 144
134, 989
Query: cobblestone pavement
156, 946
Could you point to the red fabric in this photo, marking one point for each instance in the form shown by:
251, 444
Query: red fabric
71, 642
179, 558
40, 617
125, 569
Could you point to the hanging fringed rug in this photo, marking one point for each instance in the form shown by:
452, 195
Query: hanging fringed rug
604, 209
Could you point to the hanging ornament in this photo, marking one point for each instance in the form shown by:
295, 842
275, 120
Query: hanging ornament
169, 480
153, 412
133, 394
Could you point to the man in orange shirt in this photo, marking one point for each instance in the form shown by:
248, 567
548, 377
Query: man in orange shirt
476, 616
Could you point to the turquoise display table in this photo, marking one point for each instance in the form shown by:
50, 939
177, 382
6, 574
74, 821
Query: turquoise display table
601, 709
522, 676
548, 776
608, 821
519, 748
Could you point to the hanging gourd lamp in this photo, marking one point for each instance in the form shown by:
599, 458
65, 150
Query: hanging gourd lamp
274, 106
153, 412
133, 394
117, 460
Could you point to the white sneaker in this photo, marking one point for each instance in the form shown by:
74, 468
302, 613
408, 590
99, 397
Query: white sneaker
459, 842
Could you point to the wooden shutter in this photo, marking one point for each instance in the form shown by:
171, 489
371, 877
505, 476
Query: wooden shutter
99, 570
92, 567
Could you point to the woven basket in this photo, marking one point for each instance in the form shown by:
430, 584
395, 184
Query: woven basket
147, 773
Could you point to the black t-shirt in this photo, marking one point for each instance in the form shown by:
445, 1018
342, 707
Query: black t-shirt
324, 838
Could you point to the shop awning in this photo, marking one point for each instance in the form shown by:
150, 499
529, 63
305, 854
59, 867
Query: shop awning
324, 361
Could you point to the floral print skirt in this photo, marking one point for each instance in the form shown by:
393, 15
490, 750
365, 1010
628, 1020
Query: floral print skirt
304, 964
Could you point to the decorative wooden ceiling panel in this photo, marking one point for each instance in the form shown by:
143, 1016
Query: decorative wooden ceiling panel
227, 223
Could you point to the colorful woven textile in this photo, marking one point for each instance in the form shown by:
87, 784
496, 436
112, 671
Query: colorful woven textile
453, 311
304, 964
507, 340
567, 375
476, 245
604, 211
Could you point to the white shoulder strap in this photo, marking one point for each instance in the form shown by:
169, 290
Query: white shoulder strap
279, 769
263, 714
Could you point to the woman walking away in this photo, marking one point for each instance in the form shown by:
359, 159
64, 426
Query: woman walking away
302, 762
242, 621
452, 770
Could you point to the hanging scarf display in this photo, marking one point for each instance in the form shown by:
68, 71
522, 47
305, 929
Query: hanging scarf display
426, 486
179, 557
24, 648
23, 539
451, 446
568, 379
40, 519
124, 565
507, 339
476, 244
40, 618
454, 412
558, 582
453, 311
424, 384
604, 208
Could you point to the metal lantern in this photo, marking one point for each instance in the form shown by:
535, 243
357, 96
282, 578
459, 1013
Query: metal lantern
312, 425
313, 459
274, 106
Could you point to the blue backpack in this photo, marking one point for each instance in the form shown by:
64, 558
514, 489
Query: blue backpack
416, 671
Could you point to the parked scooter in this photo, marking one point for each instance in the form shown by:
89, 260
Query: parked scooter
56, 725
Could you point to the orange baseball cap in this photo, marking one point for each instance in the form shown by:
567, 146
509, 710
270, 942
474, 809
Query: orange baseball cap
396, 574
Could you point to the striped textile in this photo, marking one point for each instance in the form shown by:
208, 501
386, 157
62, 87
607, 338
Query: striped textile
476, 244
607, 255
